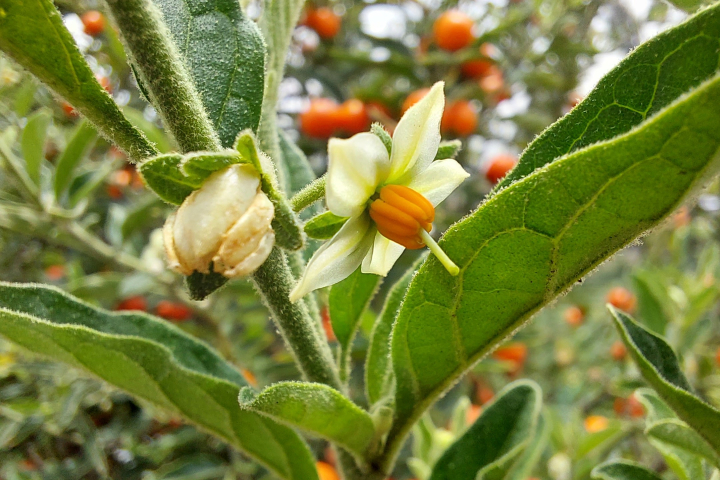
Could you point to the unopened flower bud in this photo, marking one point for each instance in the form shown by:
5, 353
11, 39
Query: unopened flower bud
226, 222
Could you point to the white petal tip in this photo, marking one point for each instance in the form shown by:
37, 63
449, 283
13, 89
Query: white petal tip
297, 294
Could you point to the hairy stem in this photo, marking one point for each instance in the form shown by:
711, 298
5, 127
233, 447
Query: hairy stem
313, 192
163, 74
274, 280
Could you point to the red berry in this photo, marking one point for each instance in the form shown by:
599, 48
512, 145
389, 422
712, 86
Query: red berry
320, 119
327, 325
352, 117
176, 312
55, 272
324, 21
137, 302
618, 351
499, 167
413, 98
460, 118
574, 316
622, 298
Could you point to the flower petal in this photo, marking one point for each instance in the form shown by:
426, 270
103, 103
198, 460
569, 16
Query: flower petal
337, 258
355, 168
417, 136
438, 180
382, 256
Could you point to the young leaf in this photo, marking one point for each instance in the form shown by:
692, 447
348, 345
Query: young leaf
298, 169
33, 143
32, 32
676, 433
378, 370
80, 144
324, 226
659, 366
653, 76
379, 130
536, 238
225, 54
316, 409
154, 360
348, 301
523, 466
163, 175
623, 471
448, 149
496, 438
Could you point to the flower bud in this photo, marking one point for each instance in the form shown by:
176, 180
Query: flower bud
226, 222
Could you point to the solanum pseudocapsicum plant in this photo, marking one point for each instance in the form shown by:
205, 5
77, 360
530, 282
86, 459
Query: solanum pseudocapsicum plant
643, 142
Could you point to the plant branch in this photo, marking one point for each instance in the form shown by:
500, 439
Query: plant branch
274, 280
163, 74
313, 192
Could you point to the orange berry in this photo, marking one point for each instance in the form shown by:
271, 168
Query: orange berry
482, 66
499, 166
574, 316
681, 217
114, 192
93, 22
69, 110
484, 394
137, 302
352, 117
379, 109
618, 350
514, 353
459, 117
453, 30
319, 121
472, 414
326, 471
622, 298
620, 406
634, 407
413, 98
327, 325
104, 82
595, 423
175, 312
55, 272
249, 377
324, 21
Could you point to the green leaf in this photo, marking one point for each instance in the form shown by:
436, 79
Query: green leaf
347, 302
299, 171
225, 53
151, 131
602, 440
200, 165
324, 226
689, 5
623, 471
79, 146
32, 32
319, 410
676, 433
686, 464
525, 464
163, 175
448, 149
650, 292
33, 143
378, 370
535, 239
495, 440
659, 366
153, 360
653, 76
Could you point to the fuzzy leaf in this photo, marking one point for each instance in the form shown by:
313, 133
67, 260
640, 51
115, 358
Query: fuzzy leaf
316, 409
32, 32
652, 77
154, 360
225, 54
659, 366
449, 149
536, 238
494, 441
33, 143
676, 433
299, 172
163, 175
623, 471
378, 369
324, 226
80, 144
347, 302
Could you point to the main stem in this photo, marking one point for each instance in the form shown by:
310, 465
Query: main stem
163, 74
274, 280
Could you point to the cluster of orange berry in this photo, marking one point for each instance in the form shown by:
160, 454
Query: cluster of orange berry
325, 118
173, 311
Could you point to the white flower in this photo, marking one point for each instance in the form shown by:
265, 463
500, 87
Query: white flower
390, 199
226, 222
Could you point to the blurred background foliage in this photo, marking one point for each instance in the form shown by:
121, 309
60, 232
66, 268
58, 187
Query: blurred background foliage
87, 225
